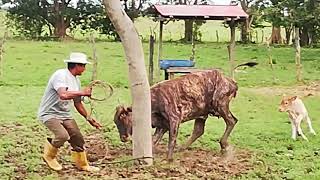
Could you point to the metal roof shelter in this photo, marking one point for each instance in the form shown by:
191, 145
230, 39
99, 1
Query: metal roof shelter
201, 12
230, 13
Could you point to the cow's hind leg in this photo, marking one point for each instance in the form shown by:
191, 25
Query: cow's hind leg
158, 134
198, 130
230, 121
310, 126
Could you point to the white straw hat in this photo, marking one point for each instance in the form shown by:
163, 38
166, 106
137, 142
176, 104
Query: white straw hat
76, 57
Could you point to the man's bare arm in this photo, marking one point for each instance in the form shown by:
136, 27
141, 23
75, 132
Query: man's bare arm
67, 95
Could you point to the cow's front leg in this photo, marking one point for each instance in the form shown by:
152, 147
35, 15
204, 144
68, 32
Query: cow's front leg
173, 133
293, 130
157, 136
230, 121
198, 130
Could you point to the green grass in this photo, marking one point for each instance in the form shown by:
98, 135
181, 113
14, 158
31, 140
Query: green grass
261, 128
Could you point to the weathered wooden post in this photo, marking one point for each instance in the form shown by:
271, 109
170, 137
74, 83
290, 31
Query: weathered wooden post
193, 38
159, 49
231, 46
270, 60
217, 35
298, 54
95, 58
151, 52
2, 51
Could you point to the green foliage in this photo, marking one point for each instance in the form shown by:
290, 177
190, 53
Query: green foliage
35, 18
27, 18
92, 17
298, 13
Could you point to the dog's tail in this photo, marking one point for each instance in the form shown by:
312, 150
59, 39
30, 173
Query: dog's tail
249, 64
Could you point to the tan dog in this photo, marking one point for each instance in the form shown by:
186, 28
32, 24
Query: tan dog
297, 112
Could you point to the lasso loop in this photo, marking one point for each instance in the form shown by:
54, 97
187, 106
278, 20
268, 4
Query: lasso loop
108, 91
105, 86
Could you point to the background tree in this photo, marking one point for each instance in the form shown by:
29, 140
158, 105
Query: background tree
35, 18
254, 10
295, 13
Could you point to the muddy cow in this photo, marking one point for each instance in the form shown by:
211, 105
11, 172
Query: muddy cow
192, 96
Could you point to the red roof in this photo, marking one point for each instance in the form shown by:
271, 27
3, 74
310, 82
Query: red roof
218, 12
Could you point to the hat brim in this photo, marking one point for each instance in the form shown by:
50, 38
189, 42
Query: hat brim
73, 61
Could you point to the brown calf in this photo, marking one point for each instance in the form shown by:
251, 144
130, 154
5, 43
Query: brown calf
193, 96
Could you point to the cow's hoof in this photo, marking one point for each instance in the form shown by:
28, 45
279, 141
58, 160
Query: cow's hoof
183, 148
170, 160
227, 153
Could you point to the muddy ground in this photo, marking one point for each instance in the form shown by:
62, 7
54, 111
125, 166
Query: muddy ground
115, 162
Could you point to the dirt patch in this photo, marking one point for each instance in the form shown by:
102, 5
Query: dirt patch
8, 128
116, 162
312, 89
96, 147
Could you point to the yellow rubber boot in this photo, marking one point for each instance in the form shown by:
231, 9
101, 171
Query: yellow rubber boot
49, 155
80, 159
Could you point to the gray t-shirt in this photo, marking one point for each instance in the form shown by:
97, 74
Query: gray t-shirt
51, 105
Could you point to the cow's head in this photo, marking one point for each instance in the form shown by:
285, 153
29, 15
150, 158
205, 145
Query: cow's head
123, 120
286, 103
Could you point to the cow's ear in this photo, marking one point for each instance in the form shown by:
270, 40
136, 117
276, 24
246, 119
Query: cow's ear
119, 110
129, 109
293, 98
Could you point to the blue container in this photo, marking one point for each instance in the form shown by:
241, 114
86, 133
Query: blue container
166, 63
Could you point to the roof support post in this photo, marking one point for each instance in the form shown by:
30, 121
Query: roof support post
159, 49
231, 46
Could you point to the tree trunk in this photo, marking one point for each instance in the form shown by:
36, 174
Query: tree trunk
276, 35
60, 26
298, 55
288, 34
188, 30
304, 41
245, 31
140, 89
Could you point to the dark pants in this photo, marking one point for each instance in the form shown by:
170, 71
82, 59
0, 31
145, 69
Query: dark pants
65, 130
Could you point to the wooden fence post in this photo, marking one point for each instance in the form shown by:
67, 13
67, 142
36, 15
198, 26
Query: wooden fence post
231, 47
217, 35
95, 59
2, 51
298, 55
151, 52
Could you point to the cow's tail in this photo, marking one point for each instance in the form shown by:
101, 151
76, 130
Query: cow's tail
249, 64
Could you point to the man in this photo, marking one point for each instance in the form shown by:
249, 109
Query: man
55, 113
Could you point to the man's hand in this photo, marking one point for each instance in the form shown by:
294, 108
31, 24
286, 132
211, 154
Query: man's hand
87, 91
94, 123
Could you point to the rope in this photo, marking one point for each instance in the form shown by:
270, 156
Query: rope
124, 161
106, 87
